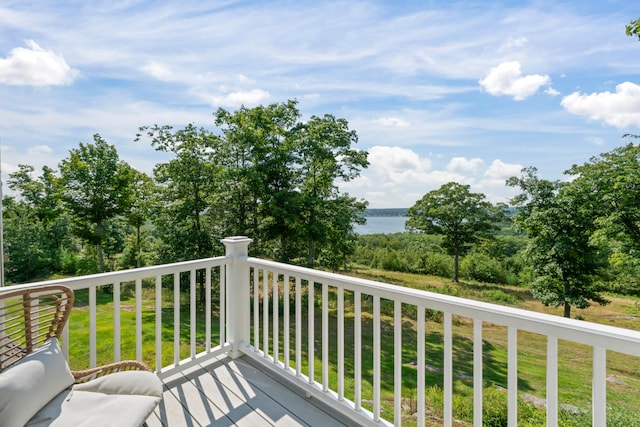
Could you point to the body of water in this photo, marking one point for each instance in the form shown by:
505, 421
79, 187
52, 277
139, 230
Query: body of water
382, 225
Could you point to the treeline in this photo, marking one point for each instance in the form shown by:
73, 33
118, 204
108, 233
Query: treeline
498, 260
264, 173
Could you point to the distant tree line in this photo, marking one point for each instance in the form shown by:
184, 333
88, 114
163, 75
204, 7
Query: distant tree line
264, 173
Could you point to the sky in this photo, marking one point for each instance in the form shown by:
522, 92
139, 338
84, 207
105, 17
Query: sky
437, 91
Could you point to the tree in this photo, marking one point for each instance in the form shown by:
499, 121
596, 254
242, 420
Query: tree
258, 195
460, 216
614, 181
140, 210
325, 154
280, 175
559, 220
633, 29
96, 186
36, 212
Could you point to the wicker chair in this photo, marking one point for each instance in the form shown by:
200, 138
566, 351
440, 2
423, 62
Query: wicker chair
31, 323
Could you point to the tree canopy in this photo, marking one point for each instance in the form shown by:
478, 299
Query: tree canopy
560, 221
461, 216
95, 187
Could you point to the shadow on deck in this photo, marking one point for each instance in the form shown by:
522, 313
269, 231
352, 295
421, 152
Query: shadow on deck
226, 392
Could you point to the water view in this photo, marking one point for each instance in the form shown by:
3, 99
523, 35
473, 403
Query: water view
382, 225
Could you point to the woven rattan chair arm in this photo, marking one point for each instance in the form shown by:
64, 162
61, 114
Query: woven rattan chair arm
125, 365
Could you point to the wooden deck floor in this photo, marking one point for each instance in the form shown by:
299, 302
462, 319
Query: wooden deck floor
226, 392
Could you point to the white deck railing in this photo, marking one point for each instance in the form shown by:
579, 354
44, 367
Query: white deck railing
308, 327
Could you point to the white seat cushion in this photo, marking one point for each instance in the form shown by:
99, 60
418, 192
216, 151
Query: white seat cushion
32, 382
120, 399
126, 383
91, 409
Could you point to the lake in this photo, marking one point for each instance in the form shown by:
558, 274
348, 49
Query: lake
382, 225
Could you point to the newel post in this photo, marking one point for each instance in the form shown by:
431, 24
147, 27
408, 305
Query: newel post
237, 289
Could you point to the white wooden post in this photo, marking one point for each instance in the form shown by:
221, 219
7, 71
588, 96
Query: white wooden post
238, 297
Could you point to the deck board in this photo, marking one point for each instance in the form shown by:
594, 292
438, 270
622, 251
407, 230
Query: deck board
225, 392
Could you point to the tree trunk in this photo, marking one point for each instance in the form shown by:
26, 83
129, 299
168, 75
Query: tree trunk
100, 255
456, 262
567, 310
138, 249
312, 253
567, 306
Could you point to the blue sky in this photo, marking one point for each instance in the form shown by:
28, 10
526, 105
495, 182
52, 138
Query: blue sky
438, 91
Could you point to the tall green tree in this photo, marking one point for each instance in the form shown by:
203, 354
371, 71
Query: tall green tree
325, 154
258, 152
560, 221
143, 194
460, 216
95, 187
614, 181
186, 184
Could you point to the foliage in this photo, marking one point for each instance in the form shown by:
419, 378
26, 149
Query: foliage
560, 222
95, 186
185, 186
461, 217
479, 266
633, 29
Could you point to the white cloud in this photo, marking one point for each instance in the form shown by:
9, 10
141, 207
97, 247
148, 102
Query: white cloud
501, 170
398, 177
596, 140
237, 99
39, 150
157, 70
507, 79
551, 91
35, 66
392, 122
620, 109
462, 164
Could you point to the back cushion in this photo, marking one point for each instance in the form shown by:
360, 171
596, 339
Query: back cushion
32, 382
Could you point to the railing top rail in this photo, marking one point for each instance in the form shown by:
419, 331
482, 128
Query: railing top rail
127, 275
594, 334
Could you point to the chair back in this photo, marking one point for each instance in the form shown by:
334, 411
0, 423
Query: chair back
29, 316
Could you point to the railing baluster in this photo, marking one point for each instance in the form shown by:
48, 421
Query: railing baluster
477, 372
176, 318
325, 337
222, 314
285, 326
139, 319
340, 338
265, 313
256, 308
276, 318
357, 349
207, 309
448, 370
192, 313
422, 360
397, 363
92, 327
512, 376
599, 387
158, 306
552, 381
116, 322
298, 326
311, 332
376, 358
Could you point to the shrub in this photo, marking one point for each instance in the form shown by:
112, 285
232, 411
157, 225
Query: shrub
481, 267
